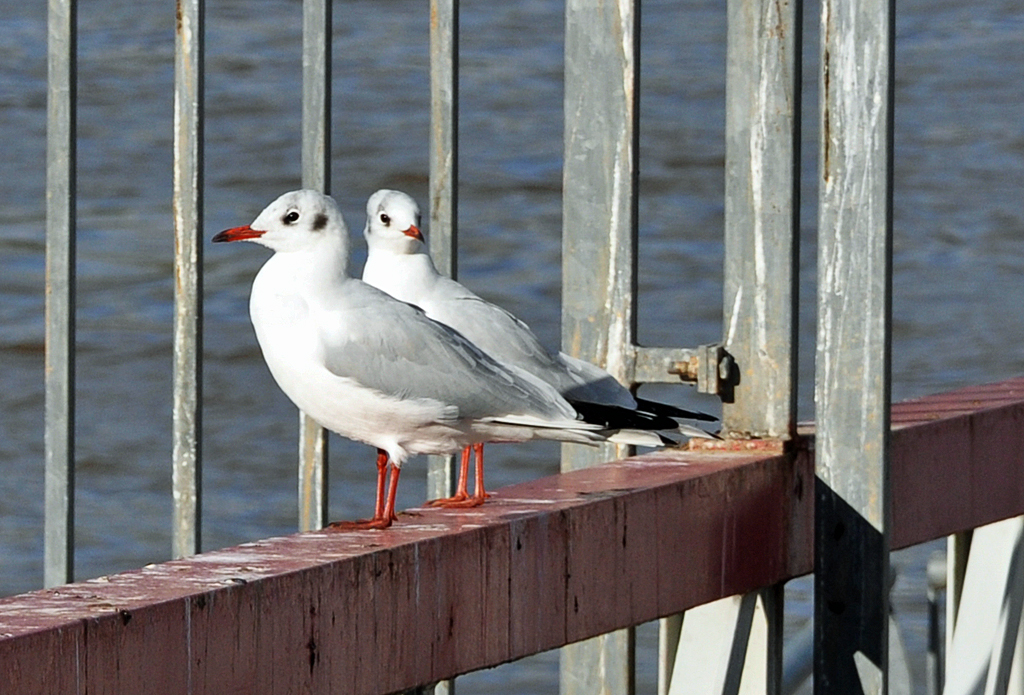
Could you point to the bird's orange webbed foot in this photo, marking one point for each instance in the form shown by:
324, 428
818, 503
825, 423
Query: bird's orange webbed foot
462, 499
384, 509
454, 500
360, 525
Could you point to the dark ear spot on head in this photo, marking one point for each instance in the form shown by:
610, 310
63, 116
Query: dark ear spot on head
319, 222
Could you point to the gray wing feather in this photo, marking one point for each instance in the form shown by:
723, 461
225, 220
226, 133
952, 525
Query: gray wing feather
395, 349
509, 340
501, 335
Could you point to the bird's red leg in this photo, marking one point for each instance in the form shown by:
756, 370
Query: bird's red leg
479, 493
382, 472
382, 517
462, 498
462, 487
389, 507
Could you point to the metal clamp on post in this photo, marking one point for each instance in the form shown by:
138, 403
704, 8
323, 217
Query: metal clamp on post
710, 367
715, 368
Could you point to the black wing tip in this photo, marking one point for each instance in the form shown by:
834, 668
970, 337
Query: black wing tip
613, 417
667, 410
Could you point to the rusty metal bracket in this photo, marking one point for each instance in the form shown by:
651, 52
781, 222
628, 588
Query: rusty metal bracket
710, 367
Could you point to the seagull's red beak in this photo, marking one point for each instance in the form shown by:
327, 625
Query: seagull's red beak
238, 233
414, 232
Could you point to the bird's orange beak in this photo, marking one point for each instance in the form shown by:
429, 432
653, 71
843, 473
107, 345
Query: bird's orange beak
413, 231
239, 233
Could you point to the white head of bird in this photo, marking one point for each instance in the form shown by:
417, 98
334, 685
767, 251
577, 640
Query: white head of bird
303, 220
393, 223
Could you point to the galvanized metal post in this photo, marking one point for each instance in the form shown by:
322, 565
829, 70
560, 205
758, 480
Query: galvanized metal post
188, 287
762, 204
762, 216
316, 174
444, 176
599, 232
444, 198
61, 164
599, 206
852, 390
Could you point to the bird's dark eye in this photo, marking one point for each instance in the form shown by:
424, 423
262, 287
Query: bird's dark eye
385, 219
291, 218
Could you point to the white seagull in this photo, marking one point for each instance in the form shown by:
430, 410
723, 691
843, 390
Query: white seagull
375, 369
398, 264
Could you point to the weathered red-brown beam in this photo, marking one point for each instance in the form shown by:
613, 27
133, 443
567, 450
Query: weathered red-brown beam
957, 461
442, 592
543, 564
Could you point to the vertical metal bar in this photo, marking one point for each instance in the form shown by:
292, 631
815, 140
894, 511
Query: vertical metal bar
937, 575
773, 599
444, 176
958, 551
313, 474
762, 221
761, 272
669, 631
61, 161
188, 288
316, 174
444, 134
599, 193
599, 236
762, 203
444, 197
853, 366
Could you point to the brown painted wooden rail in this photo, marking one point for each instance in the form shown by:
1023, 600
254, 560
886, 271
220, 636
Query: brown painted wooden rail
543, 564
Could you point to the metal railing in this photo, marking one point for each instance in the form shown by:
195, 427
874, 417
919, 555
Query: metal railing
754, 366
188, 277
316, 174
61, 165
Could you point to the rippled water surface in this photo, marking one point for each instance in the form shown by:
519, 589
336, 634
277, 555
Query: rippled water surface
958, 214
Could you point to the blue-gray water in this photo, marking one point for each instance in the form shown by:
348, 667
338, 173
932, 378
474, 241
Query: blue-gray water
958, 217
